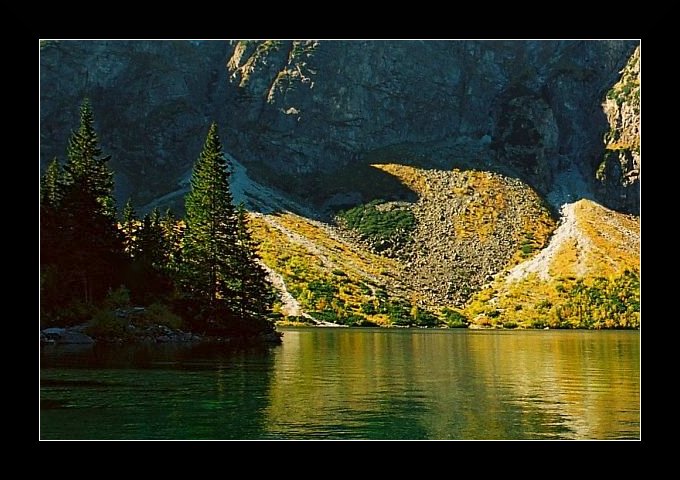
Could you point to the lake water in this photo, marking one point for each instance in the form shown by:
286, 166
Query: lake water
340, 383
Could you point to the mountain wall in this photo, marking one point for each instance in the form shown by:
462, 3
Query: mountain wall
309, 117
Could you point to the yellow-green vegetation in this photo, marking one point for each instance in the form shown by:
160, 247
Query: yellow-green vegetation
330, 280
565, 302
626, 95
614, 238
337, 282
603, 243
587, 279
454, 318
412, 177
593, 279
479, 218
293, 322
338, 252
627, 89
567, 261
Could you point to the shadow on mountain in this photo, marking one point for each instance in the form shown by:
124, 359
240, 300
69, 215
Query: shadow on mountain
360, 182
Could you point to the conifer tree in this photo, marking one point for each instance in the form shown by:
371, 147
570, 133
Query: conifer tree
209, 244
129, 226
148, 275
91, 245
51, 185
151, 242
173, 231
255, 295
86, 167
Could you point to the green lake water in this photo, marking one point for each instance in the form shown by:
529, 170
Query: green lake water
341, 383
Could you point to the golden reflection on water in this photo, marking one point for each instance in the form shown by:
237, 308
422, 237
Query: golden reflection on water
347, 383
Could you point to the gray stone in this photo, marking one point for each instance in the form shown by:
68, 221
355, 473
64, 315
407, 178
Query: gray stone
54, 331
44, 339
72, 335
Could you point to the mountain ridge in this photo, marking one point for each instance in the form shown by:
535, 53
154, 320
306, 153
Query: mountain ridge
532, 108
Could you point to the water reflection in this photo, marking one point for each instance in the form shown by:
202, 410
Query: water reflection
450, 384
154, 392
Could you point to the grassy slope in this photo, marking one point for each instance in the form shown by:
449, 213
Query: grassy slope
593, 244
307, 254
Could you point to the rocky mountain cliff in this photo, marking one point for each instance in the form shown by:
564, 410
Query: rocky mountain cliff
305, 114
619, 172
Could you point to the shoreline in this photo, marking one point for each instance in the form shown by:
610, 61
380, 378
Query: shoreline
444, 327
154, 335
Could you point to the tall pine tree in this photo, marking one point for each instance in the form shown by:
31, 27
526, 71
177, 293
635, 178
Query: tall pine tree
91, 245
87, 167
210, 241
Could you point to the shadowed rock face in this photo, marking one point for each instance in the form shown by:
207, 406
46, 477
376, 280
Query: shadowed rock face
295, 111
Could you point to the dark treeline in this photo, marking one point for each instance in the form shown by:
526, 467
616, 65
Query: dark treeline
203, 268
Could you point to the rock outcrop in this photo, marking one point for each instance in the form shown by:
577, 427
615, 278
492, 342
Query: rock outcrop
618, 174
72, 335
